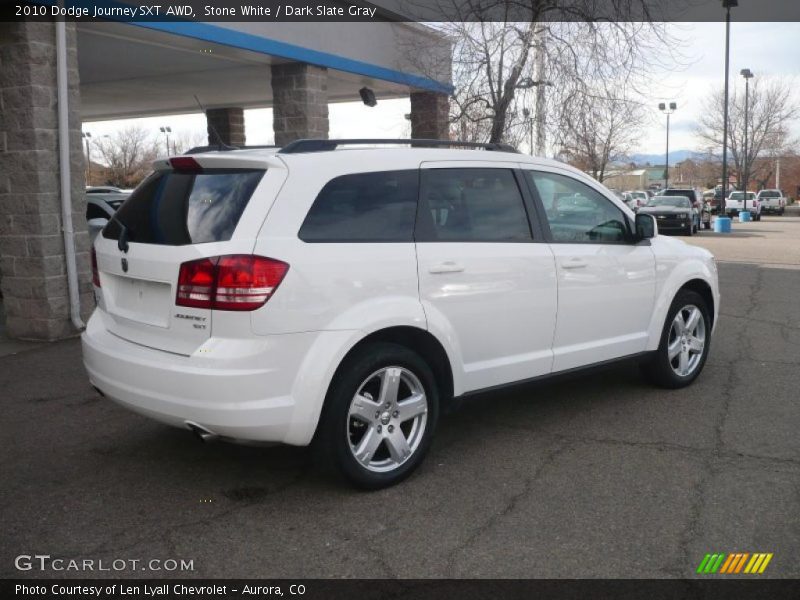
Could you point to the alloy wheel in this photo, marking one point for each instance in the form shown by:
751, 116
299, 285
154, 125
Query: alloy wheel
387, 419
687, 340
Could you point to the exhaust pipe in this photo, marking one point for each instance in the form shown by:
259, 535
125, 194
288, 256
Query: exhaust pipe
201, 432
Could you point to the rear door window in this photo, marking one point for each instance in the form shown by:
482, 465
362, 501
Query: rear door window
472, 205
364, 207
175, 208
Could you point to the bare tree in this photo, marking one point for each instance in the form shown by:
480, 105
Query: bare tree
771, 110
127, 155
597, 129
496, 73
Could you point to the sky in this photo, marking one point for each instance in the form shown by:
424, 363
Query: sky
768, 49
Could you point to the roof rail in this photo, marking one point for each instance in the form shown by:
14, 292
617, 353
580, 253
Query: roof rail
224, 148
299, 146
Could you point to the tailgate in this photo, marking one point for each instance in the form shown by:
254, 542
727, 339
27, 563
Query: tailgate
139, 303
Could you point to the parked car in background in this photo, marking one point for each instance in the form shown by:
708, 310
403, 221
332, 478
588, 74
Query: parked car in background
103, 204
711, 198
105, 189
772, 201
635, 199
100, 207
737, 203
673, 213
345, 296
696, 198
618, 194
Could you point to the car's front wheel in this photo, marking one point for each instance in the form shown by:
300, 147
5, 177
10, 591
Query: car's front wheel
684, 344
379, 416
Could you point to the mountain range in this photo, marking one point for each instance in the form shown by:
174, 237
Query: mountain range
675, 156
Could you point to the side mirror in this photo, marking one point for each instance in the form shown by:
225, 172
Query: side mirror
95, 226
646, 227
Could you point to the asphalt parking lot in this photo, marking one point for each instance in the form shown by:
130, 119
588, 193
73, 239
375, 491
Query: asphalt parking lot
601, 476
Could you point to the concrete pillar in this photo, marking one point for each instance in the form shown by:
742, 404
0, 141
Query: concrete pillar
32, 263
228, 123
300, 102
430, 114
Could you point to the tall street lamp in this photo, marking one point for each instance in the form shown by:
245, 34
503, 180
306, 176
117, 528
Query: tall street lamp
727, 5
166, 131
86, 137
667, 110
748, 75
527, 114
527, 83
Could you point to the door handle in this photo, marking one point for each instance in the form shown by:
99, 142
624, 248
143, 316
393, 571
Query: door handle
446, 267
574, 263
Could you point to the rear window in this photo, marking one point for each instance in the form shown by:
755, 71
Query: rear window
364, 207
769, 194
175, 209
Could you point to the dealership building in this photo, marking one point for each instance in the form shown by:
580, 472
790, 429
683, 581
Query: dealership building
55, 76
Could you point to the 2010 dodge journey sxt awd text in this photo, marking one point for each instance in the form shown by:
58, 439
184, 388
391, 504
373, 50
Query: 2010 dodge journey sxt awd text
344, 295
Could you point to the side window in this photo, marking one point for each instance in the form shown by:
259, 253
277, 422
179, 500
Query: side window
364, 207
577, 213
471, 205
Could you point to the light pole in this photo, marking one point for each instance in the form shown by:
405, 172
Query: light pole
667, 110
527, 83
166, 130
86, 137
748, 75
727, 5
527, 114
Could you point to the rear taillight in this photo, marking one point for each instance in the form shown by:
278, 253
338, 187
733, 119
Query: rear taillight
196, 283
232, 282
95, 272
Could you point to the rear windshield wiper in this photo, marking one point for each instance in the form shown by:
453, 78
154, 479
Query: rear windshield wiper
124, 234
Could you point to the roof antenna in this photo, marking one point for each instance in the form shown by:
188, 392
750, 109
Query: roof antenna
213, 129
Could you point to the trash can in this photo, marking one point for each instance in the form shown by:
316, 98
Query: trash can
722, 225
744, 216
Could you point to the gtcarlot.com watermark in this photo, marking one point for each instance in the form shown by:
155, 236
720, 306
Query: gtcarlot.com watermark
45, 562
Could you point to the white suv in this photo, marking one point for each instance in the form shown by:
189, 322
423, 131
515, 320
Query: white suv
345, 296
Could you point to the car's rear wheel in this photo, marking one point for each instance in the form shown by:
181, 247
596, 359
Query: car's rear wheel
379, 416
684, 345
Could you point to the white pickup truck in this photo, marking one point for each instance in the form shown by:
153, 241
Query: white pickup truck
735, 204
772, 201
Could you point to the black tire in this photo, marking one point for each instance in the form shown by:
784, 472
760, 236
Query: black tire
337, 428
658, 369
690, 233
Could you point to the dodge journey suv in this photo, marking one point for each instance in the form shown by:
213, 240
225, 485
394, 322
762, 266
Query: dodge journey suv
338, 295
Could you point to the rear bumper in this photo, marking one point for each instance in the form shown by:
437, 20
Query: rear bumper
239, 389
